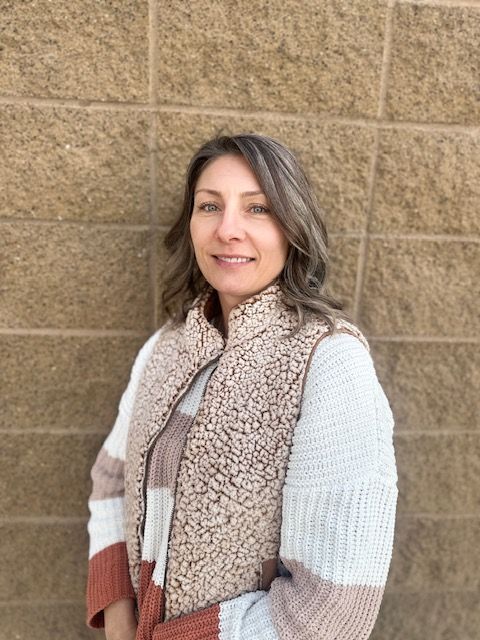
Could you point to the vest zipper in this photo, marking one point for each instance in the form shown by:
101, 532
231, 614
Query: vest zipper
145, 474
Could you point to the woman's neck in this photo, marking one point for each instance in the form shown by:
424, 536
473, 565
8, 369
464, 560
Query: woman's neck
214, 314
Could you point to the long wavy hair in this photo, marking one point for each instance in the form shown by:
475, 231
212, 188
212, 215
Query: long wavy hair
293, 203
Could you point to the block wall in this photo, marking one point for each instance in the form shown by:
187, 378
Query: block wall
101, 104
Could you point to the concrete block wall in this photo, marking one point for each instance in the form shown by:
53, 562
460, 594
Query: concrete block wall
101, 104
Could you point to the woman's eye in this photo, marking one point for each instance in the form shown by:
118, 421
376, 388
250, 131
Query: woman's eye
258, 208
208, 206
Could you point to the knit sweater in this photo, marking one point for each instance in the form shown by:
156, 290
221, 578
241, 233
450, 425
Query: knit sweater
325, 575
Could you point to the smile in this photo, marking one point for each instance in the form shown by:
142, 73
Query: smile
237, 260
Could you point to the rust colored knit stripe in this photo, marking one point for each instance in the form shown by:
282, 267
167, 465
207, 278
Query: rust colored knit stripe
146, 571
108, 581
199, 625
151, 611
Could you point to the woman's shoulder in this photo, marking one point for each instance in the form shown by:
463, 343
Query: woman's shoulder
343, 354
345, 327
344, 343
146, 350
316, 326
147, 347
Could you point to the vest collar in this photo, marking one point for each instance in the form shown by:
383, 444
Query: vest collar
246, 320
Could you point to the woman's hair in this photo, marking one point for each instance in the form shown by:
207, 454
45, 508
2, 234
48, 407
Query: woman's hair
293, 205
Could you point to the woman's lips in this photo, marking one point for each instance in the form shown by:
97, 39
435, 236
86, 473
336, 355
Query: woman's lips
232, 265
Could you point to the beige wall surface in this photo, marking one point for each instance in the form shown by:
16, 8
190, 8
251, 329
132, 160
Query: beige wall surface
101, 104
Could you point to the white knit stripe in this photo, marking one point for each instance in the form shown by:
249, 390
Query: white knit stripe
345, 425
245, 617
343, 535
157, 522
190, 402
105, 526
116, 441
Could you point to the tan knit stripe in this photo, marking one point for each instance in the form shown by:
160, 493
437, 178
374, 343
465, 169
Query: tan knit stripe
107, 476
328, 607
165, 457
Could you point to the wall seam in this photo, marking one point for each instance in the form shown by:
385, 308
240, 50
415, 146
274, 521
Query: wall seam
74, 103
36, 602
280, 116
72, 333
77, 223
438, 516
425, 339
152, 159
473, 4
422, 591
57, 520
364, 241
55, 432
433, 432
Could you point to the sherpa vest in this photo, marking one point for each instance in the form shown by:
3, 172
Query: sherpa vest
228, 501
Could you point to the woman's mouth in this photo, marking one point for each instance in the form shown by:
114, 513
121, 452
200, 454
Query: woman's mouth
229, 262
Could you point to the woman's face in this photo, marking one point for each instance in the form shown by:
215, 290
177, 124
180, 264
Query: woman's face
231, 218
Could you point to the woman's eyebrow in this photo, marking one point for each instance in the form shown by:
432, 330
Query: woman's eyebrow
211, 191
244, 194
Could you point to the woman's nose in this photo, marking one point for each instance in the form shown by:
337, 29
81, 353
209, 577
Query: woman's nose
230, 224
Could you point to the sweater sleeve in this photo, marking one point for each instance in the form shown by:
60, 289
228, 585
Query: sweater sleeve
338, 515
108, 573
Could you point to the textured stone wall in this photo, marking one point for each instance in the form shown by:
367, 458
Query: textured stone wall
101, 104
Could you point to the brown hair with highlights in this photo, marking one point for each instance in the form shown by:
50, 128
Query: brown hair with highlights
293, 204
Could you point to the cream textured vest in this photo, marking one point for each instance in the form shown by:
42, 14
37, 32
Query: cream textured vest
228, 501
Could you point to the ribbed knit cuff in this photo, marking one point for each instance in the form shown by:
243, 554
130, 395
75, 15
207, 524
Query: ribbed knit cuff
200, 625
108, 581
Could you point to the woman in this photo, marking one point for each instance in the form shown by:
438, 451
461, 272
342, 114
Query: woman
248, 487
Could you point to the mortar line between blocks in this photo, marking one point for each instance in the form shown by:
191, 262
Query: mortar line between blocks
89, 224
280, 116
322, 118
58, 520
364, 242
425, 339
474, 4
72, 333
153, 160
32, 431
435, 432
154, 227
386, 60
398, 591
152, 51
426, 237
74, 103
438, 516
35, 602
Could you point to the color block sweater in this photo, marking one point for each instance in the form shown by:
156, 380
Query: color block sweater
248, 488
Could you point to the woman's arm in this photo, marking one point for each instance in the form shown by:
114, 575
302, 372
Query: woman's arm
338, 515
120, 620
108, 572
